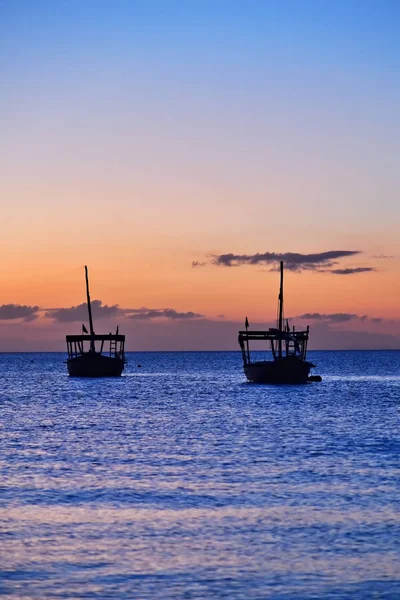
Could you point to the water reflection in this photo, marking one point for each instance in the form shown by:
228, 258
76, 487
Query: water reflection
189, 484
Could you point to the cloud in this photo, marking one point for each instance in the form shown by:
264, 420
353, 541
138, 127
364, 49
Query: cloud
80, 312
145, 314
351, 271
100, 311
294, 261
333, 317
383, 256
341, 318
197, 263
199, 334
18, 311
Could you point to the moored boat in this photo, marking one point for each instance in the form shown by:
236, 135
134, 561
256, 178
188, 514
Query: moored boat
288, 347
105, 356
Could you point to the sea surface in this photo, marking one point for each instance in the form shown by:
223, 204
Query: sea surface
180, 480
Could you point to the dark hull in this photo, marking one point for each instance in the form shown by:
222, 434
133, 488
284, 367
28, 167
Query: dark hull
91, 364
285, 370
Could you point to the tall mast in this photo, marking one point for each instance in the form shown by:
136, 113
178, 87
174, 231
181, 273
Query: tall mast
89, 310
280, 324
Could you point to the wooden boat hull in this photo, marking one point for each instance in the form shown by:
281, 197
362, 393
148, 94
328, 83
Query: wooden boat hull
286, 370
91, 364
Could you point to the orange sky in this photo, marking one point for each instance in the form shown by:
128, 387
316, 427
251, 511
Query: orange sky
245, 134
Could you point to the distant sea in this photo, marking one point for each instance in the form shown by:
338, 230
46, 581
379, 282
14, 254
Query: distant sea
180, 480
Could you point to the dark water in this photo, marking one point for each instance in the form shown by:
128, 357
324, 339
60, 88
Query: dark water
180, 480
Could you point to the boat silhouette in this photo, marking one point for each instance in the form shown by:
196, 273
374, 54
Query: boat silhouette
288, 347
99, 360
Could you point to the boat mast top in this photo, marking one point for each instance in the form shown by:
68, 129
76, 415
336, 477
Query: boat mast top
280, 322
89, 310
280, 325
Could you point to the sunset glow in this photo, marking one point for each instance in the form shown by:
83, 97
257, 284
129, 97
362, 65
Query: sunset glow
146, 142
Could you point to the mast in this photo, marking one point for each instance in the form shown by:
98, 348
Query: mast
89, 310
246, 324
280, 323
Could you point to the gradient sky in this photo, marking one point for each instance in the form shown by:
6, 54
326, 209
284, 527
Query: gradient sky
138, 137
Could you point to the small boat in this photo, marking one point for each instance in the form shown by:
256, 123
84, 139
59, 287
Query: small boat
97, 361
288, 347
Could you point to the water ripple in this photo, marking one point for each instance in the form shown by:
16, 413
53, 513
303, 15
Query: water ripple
180, 480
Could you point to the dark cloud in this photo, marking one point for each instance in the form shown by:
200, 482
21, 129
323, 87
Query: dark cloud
145, 314
80, 312
294, 261
383, 256
18, 311
351, 271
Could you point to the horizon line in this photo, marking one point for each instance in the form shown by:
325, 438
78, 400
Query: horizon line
205, 351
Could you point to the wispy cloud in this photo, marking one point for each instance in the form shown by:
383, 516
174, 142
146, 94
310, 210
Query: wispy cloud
293, 261
18, 311
351, 271
340, 318
145, 314
197, 263
333, 317
321, 262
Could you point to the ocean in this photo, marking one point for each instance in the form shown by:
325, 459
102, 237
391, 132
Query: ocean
180, 480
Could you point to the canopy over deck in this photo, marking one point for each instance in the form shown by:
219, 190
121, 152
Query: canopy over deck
290, 343
274, 334
96, 338
115, 344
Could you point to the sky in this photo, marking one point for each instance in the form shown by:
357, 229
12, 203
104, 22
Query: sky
181, 150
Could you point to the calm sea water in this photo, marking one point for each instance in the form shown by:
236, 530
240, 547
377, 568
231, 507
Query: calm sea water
180, 480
